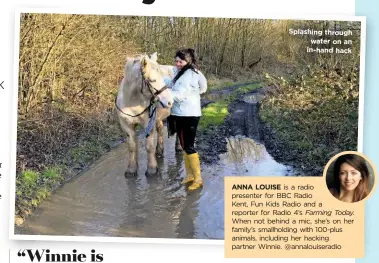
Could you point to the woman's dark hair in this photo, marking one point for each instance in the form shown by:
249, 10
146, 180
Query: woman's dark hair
359, 164
188, 55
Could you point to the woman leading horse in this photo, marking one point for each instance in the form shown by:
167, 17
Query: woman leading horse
186, 87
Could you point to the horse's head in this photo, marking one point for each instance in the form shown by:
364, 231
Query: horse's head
154, 76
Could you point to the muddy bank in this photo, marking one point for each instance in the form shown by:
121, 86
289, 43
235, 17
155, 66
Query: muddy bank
283, 153
242, 120
280, 149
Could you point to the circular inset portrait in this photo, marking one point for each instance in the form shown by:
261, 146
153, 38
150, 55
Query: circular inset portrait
350, 177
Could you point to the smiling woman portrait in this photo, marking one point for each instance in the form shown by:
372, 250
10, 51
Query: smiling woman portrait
350, 179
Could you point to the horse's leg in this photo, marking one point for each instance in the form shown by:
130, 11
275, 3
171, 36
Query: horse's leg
151, 160
132, 146
160, 148
133, 152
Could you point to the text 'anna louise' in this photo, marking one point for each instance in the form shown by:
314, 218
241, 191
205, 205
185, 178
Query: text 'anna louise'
257, 187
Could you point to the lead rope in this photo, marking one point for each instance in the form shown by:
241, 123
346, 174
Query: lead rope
152, 119
139, 114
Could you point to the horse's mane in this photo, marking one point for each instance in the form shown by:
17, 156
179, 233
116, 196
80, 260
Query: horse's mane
130, 62
131, 74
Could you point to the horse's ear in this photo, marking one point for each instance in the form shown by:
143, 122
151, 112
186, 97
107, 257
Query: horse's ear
154, 56
144, 63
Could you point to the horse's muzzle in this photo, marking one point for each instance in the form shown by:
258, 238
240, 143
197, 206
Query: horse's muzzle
166, 99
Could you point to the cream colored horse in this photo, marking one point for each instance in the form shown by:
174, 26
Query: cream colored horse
143, 86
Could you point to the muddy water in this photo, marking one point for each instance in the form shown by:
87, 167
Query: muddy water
102, 202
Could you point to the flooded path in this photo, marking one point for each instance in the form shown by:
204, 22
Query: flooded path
102, 202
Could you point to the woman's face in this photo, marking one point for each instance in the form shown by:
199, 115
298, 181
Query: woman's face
180, 63
349, 177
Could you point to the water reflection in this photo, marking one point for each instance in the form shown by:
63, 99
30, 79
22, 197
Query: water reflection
243, 150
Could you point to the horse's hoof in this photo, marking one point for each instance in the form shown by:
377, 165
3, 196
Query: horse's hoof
129, 174
151, 172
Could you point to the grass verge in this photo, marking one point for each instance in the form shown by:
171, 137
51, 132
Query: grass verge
313, 117
215, 113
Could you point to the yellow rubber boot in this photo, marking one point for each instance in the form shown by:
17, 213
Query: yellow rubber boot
189, 175
194, 162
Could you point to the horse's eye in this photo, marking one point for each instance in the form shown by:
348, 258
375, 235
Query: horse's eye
152, 80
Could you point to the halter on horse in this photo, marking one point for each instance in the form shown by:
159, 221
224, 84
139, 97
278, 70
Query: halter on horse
131, 98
